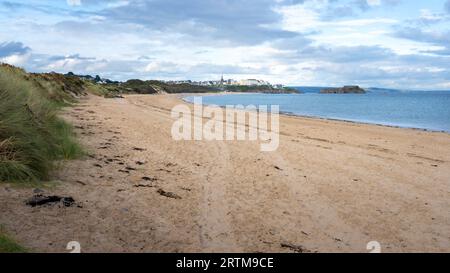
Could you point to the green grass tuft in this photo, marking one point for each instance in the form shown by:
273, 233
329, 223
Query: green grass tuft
32, 137
8, 245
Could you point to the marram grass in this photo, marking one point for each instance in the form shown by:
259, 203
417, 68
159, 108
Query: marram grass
32, 137
8, 245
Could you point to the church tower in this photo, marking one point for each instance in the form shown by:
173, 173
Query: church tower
222, 82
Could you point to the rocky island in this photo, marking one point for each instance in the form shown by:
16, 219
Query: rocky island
354, 89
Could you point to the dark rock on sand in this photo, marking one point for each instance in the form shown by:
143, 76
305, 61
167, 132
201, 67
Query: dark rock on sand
39, 200
146, 178
143, 186
168, 194
295, 248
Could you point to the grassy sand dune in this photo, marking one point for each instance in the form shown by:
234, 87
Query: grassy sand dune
32, 136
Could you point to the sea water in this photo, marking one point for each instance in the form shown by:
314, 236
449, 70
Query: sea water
412, 109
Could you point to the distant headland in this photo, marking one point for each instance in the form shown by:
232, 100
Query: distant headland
185, 86
349, 89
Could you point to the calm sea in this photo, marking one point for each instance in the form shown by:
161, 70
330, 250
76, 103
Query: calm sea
413, 109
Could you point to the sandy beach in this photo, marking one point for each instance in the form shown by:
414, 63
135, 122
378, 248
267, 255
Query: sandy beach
330, 187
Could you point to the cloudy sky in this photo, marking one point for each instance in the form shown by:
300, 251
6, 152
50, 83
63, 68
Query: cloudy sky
385, 43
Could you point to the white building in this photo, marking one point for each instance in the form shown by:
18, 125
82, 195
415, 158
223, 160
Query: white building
253, 82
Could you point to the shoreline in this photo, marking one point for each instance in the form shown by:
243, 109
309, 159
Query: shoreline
183, 96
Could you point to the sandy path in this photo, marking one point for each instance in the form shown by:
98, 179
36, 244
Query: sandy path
331, 186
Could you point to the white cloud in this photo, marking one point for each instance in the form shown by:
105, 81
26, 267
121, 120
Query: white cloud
16, 59
118, 4
67, 63
374, 2
364, 22
427, 15
304, 18
163, 67
312, 42
299, 18
74, 2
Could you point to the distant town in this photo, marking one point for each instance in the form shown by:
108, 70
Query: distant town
229, 82
212, 83
110, 87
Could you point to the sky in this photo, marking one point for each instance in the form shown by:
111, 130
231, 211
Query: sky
371, 43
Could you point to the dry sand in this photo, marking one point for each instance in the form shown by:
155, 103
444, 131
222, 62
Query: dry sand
330, 187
